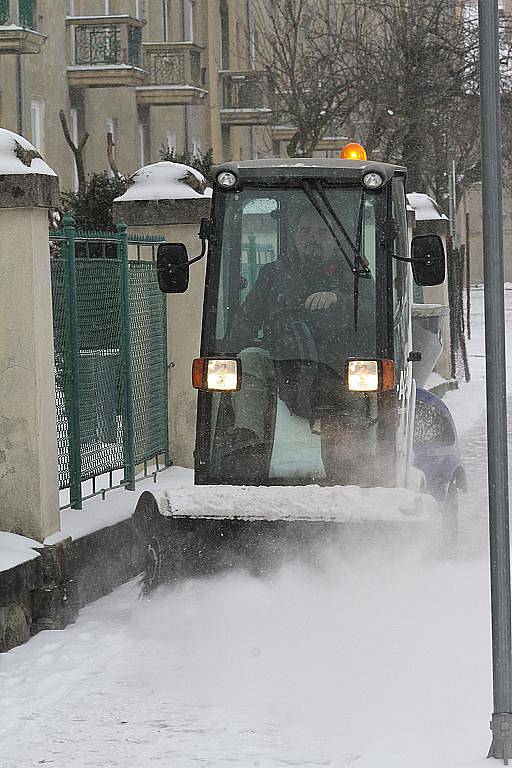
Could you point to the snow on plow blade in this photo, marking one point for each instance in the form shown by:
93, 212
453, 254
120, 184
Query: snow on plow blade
205, 529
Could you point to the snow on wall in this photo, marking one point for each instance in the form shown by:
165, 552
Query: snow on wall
166, 181
425, 207
15, 549
18, 156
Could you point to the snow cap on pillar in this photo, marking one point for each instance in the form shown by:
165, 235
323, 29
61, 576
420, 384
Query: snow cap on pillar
26, 181
429, 219
164, 193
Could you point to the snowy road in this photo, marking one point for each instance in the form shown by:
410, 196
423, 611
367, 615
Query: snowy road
377, 661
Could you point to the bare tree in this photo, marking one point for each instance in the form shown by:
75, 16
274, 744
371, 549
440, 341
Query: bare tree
77, 152
421, 105
309, 53
401, 76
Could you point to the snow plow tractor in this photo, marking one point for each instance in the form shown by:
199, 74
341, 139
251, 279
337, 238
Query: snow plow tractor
306, 395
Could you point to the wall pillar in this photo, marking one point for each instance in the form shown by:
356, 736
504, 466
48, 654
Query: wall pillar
178, 221
29, 499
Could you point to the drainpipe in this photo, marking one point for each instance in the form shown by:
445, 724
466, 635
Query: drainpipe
186, 111
20, 89
252, 62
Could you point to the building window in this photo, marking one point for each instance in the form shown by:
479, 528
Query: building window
165, 19
226, 143
37, 121
142, 145
224, 35
188, 20
171, 142
112, 129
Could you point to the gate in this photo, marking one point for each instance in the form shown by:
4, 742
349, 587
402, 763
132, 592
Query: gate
110, 339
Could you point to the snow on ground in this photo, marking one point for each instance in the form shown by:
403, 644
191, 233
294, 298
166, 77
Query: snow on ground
374, 659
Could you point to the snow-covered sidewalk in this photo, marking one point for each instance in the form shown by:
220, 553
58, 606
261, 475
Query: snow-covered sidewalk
370, 660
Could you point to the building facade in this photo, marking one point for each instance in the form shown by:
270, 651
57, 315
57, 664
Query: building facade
154, 74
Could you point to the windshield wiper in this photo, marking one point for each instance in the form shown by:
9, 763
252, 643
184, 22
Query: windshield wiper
359, 268
309, 192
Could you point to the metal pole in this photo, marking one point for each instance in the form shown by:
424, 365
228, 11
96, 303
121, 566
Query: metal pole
73, 376
468, 279
501, 724
455, 230
126, 361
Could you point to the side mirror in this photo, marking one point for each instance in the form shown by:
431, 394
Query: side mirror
172, 267
428, 260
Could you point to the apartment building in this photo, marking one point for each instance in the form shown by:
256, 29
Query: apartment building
177, 74
469, 219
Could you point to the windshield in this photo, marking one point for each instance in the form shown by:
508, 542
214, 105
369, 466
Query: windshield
317, 242
293, 296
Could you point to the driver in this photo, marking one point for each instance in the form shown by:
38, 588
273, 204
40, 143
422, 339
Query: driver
314, 283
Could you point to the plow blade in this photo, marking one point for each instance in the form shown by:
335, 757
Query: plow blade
206, 530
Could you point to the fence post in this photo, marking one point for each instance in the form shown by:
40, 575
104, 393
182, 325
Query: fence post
126, 364
29, 488
73, 386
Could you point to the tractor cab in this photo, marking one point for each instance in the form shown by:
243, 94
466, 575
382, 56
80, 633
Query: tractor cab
305, 374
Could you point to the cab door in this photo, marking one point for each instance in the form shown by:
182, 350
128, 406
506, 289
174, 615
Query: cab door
402, 336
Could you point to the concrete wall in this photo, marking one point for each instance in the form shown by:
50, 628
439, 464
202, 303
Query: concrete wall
119, 104
472, 204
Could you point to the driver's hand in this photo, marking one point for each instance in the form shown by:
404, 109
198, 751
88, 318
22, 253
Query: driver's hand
320, 300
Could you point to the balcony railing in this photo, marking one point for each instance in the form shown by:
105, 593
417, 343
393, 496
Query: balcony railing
18, 27
105, 51
246, 98
173, 74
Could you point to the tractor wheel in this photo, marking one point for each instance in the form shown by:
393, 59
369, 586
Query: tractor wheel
450, 518
152, 567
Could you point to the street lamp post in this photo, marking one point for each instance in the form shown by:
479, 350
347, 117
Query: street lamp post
497, 454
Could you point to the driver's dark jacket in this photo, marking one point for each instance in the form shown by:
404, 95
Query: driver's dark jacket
280, 292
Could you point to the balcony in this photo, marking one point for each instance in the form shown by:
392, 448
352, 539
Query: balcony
325, 144
18, 27
245, 98
104, 51
173, 75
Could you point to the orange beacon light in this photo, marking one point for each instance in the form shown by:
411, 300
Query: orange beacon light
353, 151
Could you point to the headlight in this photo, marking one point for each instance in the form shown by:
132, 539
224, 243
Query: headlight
216, 375
372, 180
363, 375
370, 375
226, 179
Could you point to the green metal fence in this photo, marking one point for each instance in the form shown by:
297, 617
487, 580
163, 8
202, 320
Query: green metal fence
110, 332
